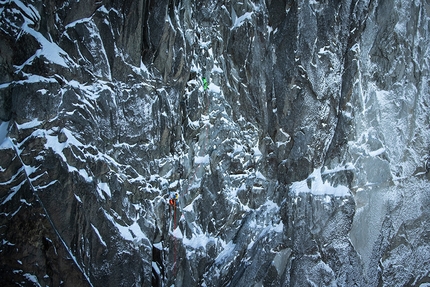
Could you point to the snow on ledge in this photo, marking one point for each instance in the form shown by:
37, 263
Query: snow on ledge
317, 186
201, 159
214, 88
177, 233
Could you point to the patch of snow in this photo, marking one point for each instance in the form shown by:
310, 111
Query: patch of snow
78, 198
32, 278
25, 202
84, 174
155, 267
257, 152
6, 144
377, 152
225, 254
98, 235
29, 169
279, 227
50, 51
13, 177
104, 10
143, 68
13, 190
324, 50
29, 11
177, 233
348, 166
137, 231
240, 20
158, 245
250, 245
204, 45
190, 208
318, 186
130, 233
103, 187
194, 125
217, 69
201, 159
29, 125
259, 175
197, 241
214, 88
9, 197
5, 242
40, 187
270, 205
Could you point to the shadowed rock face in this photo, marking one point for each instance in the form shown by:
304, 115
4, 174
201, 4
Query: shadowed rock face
305, 162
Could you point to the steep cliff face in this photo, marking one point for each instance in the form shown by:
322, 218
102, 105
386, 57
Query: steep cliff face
304, 162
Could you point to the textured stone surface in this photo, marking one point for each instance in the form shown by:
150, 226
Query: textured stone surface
304, 163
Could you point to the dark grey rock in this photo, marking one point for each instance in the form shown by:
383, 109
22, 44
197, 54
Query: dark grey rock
303, 163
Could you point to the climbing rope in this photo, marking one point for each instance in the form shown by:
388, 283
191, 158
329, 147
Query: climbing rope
205, 85
175, 245
46, 213
176, 241
204, 144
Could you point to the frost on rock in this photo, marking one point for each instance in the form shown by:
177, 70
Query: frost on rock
303, 161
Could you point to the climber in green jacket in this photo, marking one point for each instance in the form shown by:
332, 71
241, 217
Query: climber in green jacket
205, 83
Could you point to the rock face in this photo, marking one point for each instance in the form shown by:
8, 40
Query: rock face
304, 163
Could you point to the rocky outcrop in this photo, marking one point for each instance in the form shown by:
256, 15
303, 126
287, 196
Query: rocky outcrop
304, 162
